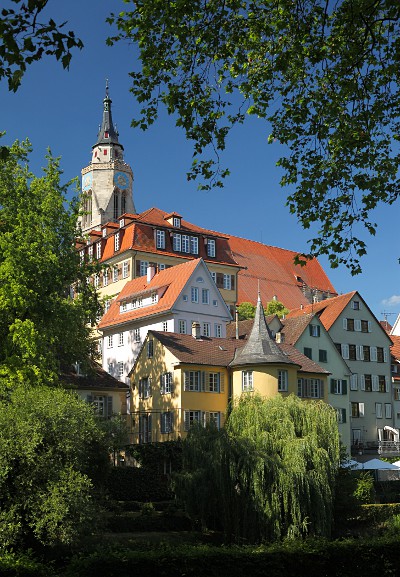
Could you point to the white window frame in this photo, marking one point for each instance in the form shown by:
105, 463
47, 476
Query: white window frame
125, 268
166, 383
205, 296
206, 329
227, 282
218, 330
283, 381
182, 327
98, 250
120, 339
211, 247
115, 273
120, 369
136, 335
177, 242
194, 293
110, 341
247, 381
166, 422
160, 239
144, 265
194, 245
116, 242
165, 326
192, 381
185, 243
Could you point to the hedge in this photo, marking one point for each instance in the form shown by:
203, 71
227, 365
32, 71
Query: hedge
312, 558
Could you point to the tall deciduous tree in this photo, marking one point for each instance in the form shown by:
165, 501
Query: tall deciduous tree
276, 308
269, 475
42, 328
323, 73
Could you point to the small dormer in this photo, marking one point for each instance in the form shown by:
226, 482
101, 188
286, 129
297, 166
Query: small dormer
174, 219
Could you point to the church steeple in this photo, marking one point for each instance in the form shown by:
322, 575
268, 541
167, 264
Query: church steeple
107, 134
107, 182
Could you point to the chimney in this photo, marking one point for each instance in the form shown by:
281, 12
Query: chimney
196, 330
151, 271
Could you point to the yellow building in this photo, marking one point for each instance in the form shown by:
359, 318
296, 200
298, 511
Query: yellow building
179, 379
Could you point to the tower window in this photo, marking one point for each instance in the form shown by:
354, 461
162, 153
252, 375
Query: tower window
105, 151
106, 134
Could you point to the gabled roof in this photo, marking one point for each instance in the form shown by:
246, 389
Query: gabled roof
220, 352
328, 310
395, 348
294, 327
272, 271
173, 279
260, 348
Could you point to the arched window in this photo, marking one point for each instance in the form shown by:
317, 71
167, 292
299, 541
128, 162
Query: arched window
116, 205
123, 203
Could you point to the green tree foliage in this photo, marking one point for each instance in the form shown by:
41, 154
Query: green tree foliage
25, 39
42, 328
276, 308
268, 475
246, 310
50, 451
321, 74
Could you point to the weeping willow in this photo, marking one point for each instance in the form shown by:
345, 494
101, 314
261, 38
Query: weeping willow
268, 475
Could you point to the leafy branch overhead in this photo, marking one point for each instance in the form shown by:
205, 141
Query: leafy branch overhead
24, 40
323, 74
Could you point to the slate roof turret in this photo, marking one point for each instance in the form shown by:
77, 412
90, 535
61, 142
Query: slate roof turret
261, 348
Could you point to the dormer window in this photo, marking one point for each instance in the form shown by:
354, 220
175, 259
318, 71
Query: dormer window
98, 250
177, 222
160, 239
211, 247
104, 232
121, 222
116, 242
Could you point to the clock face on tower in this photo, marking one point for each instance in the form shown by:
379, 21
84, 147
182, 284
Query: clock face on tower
87, 181
121, 180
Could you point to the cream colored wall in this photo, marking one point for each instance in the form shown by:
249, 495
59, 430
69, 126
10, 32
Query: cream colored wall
179, 400
265, 380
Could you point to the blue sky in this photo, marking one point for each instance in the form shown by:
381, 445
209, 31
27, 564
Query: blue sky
62, 110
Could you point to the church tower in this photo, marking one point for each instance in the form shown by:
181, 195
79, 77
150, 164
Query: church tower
108, 181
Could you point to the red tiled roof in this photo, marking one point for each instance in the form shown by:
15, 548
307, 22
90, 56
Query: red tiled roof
329, 309
173, 278
395, 348
273, 268
387, 327
96, 378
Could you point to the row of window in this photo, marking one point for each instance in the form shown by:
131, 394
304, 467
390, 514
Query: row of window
370, 383
205, 329
357, 325
358, 410
184, 243
322, 354
195, 381
306, 388
363, 353
114, 274
190, 417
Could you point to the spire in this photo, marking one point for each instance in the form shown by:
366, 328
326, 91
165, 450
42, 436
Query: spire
260, 348
107, 133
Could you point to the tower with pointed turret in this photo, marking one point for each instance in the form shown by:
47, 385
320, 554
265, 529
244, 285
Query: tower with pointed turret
107, 182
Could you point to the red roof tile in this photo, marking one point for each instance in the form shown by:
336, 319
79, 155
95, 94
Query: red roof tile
329, 309
395, 348
275, 272
173, 278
